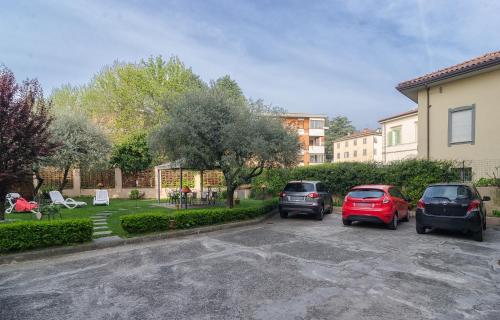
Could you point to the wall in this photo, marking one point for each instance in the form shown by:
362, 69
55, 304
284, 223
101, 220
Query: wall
372, 142
483, 90
408, 147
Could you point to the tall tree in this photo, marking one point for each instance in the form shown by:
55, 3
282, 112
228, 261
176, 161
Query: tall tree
24, 131
338, 127
82, 145
132, 155
211, 129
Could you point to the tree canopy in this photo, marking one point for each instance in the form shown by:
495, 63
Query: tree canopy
212, 128
337, 127
132, 155
24, 130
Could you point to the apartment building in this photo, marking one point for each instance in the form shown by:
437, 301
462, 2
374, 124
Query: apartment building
399, 136
311, 129
362, 146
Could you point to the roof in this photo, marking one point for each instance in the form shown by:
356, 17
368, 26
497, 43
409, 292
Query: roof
373, 186
399, 115
468, 184
463, 69
306, 181
303, 115
359, 134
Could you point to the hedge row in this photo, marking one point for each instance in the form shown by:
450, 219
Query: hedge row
183, 219
412, 175
19, 236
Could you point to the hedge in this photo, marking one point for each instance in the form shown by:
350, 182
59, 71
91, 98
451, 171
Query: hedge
19, 236
412, 175
183, 219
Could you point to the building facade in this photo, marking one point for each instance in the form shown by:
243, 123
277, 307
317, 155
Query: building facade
363, 146
400, 136
311, 129
459, 112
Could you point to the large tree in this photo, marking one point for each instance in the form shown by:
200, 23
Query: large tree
132, 155
214, 129
338, 127
81, 145
24, 131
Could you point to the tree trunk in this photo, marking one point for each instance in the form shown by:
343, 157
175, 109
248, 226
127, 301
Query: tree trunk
39, 181
64, 180
230, 196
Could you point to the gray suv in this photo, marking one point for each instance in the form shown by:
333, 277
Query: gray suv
305, 197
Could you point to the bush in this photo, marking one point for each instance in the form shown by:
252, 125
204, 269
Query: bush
19, 236
487, 182
135, 194
183, 219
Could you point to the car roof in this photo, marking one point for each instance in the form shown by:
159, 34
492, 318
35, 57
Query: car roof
384, 187
306, 181
467, 184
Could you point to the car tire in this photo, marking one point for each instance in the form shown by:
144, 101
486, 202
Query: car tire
484, 224
346, 222
407, 216
320, 214
478, 235
393, 225
283, 214
420, 228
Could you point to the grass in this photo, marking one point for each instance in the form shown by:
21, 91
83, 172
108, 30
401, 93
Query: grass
117, 207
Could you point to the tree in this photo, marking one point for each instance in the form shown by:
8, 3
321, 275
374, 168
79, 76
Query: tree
82, 145
337, 127
132, 155
210, 129
24, 131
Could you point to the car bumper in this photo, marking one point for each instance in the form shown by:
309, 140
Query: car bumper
383, 215
303, 208
470, 222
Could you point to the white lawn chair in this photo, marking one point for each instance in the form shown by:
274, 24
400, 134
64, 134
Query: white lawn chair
57, 198
101, 197
11, 201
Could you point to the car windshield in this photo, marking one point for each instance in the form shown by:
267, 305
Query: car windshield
299, 187
366, 193
447, 192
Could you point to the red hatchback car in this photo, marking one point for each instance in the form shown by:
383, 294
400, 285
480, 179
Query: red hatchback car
375, 203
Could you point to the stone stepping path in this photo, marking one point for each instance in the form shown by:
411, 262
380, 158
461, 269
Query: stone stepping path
101, 223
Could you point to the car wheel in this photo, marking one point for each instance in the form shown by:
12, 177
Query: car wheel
393, 225
283, 214
484, 224
420, 229
321, 213
407, 216
478, 235
346, 222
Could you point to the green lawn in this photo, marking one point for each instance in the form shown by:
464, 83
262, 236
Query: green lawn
117, 207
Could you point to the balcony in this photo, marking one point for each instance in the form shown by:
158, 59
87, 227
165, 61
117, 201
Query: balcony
316, 132
317, 149
300, 132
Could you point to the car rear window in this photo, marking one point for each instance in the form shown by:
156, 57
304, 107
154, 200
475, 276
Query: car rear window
366, 193
448, 192
299, 187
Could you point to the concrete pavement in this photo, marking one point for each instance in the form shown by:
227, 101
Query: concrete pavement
296, 268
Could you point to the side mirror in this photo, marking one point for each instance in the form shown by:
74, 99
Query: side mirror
486, 198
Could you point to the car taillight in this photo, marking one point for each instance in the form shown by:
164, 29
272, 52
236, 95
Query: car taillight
421, 204
474, 205
313, 195
282, 194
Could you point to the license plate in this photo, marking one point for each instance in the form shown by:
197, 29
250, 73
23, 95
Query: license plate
296, 198
363, 205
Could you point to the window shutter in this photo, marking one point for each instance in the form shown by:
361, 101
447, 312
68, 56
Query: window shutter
461, 126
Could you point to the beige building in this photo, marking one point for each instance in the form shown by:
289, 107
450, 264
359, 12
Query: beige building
311, 129
459, 114
362, 146
399, 136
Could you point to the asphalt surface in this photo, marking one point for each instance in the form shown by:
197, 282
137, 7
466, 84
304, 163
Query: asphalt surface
296, 268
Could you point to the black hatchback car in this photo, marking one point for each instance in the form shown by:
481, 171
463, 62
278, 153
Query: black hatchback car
452, 206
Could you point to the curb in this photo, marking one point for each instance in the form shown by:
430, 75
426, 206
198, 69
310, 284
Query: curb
102, 243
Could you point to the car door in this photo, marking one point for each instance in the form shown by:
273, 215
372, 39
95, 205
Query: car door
396, 197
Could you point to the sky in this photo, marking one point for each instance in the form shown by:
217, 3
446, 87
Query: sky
329, 57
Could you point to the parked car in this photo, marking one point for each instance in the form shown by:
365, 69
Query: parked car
452, 206
305, 197
375, 203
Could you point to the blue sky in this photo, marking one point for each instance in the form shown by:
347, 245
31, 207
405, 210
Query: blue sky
332, 57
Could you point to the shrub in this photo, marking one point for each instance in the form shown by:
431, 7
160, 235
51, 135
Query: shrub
496, 213
19, 236
135, 194
487, 182
183, 219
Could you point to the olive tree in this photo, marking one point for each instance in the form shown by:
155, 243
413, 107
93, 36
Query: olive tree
212, 129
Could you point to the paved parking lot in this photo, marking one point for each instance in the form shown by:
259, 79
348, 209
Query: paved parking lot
297, 268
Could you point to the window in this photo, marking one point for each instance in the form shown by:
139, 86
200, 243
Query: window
355, 153
366, 193
461, 125
346, 144
316, 141
355, 142
449, 192
364, 140
321, 187
346, 154
338, 155
316, 158
299, 187
338, 144
396, 193
465, 173
316, 124
394, 136
364, 152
